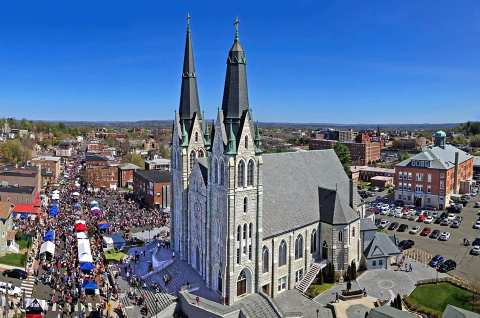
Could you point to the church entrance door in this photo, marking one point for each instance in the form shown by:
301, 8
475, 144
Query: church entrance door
242, 284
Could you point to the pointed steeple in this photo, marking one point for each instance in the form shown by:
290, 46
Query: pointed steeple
189, 102
232, 142
235, 93
258, 140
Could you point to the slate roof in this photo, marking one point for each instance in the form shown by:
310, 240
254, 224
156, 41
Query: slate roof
455, 312
387, 311
203, 164
94, 157
155, 176
335, 209
439, 157
291, 182
366, 224
381, 246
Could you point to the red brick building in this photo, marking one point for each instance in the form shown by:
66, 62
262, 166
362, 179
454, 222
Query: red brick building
152, 187
100, 172
432, 176
362, 151
125, 174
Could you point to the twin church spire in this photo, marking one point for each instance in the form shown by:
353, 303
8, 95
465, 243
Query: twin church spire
235, 94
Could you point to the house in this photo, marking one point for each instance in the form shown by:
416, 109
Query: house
50, 168
125, 174
28, 176
380, 252
100, 172
455, 312
157, 164
152, 187
64, 149
387, 311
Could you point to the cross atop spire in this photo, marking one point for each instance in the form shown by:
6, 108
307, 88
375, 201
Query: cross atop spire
236, 23
188, 22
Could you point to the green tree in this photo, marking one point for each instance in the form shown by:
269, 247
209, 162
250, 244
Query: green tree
14, 152
344, 156
475, 141
459, 140
135, 158
403, 156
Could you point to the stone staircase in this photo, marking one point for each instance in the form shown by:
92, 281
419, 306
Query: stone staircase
308, 279
156, 302
255, 306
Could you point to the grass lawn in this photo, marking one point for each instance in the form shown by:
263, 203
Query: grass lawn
23, 240
316, 289
113, 255
437, 296
14, 259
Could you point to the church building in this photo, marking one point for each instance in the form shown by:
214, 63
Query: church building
247, 221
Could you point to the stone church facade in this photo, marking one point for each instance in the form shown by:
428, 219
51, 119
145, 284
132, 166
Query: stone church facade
246, 221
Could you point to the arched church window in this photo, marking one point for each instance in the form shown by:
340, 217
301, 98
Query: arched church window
200, 154
313, 242
241, 174
239, 230
250, 172
245, 205
246, 142
265, 256
244, 231
215, 171
250, 230
192, 159
222, 173
242, 283
340, 236
324, 250
282, 253
196, 136
219, 281
353, 231
299, 247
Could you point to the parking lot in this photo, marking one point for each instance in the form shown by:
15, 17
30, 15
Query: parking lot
468, 266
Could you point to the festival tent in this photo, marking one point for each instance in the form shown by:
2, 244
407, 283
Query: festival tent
87, 266
47, 247
55, 191
77, 205
53, 211
84, 252
75, 194
55, 197
34, 307
118, 241
49, 235
80, 221
95, 208
89, 284
82, 235
93, 203
107, 243
102, 225
80, 227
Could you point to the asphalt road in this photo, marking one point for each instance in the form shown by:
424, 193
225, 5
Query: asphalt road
468, 266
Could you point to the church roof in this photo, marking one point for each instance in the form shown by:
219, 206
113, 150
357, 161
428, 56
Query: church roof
334, 209
381, 246
291, 183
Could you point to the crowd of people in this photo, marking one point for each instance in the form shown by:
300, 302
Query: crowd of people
62, 271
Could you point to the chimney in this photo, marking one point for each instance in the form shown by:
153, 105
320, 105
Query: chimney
351, 193
455, 175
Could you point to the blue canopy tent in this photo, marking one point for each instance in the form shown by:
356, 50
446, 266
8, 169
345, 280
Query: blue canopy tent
49, 235
90, 284
103, 226
53, 210
118, 241
77, 205
86, 267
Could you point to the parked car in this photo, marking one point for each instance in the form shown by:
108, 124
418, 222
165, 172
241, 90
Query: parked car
405, 244
477, 204
476, 225
402, 228
446, 266
428, 220
393, 226
436, 260
426, 231
421, 218
475, 250
9, 289
15, 273
455, 224
384, 224
445, 222
415, 229
451, 216
435, 234
445, 236
476, 242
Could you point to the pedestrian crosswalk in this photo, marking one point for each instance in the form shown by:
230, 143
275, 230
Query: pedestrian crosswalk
27, 286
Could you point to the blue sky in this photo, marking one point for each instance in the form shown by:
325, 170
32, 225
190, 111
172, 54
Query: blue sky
308, 61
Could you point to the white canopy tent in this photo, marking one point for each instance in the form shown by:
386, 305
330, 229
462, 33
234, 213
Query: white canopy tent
80, 221
56, 192
75, 194
84, 252
82, 235
49, 247
55, 196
